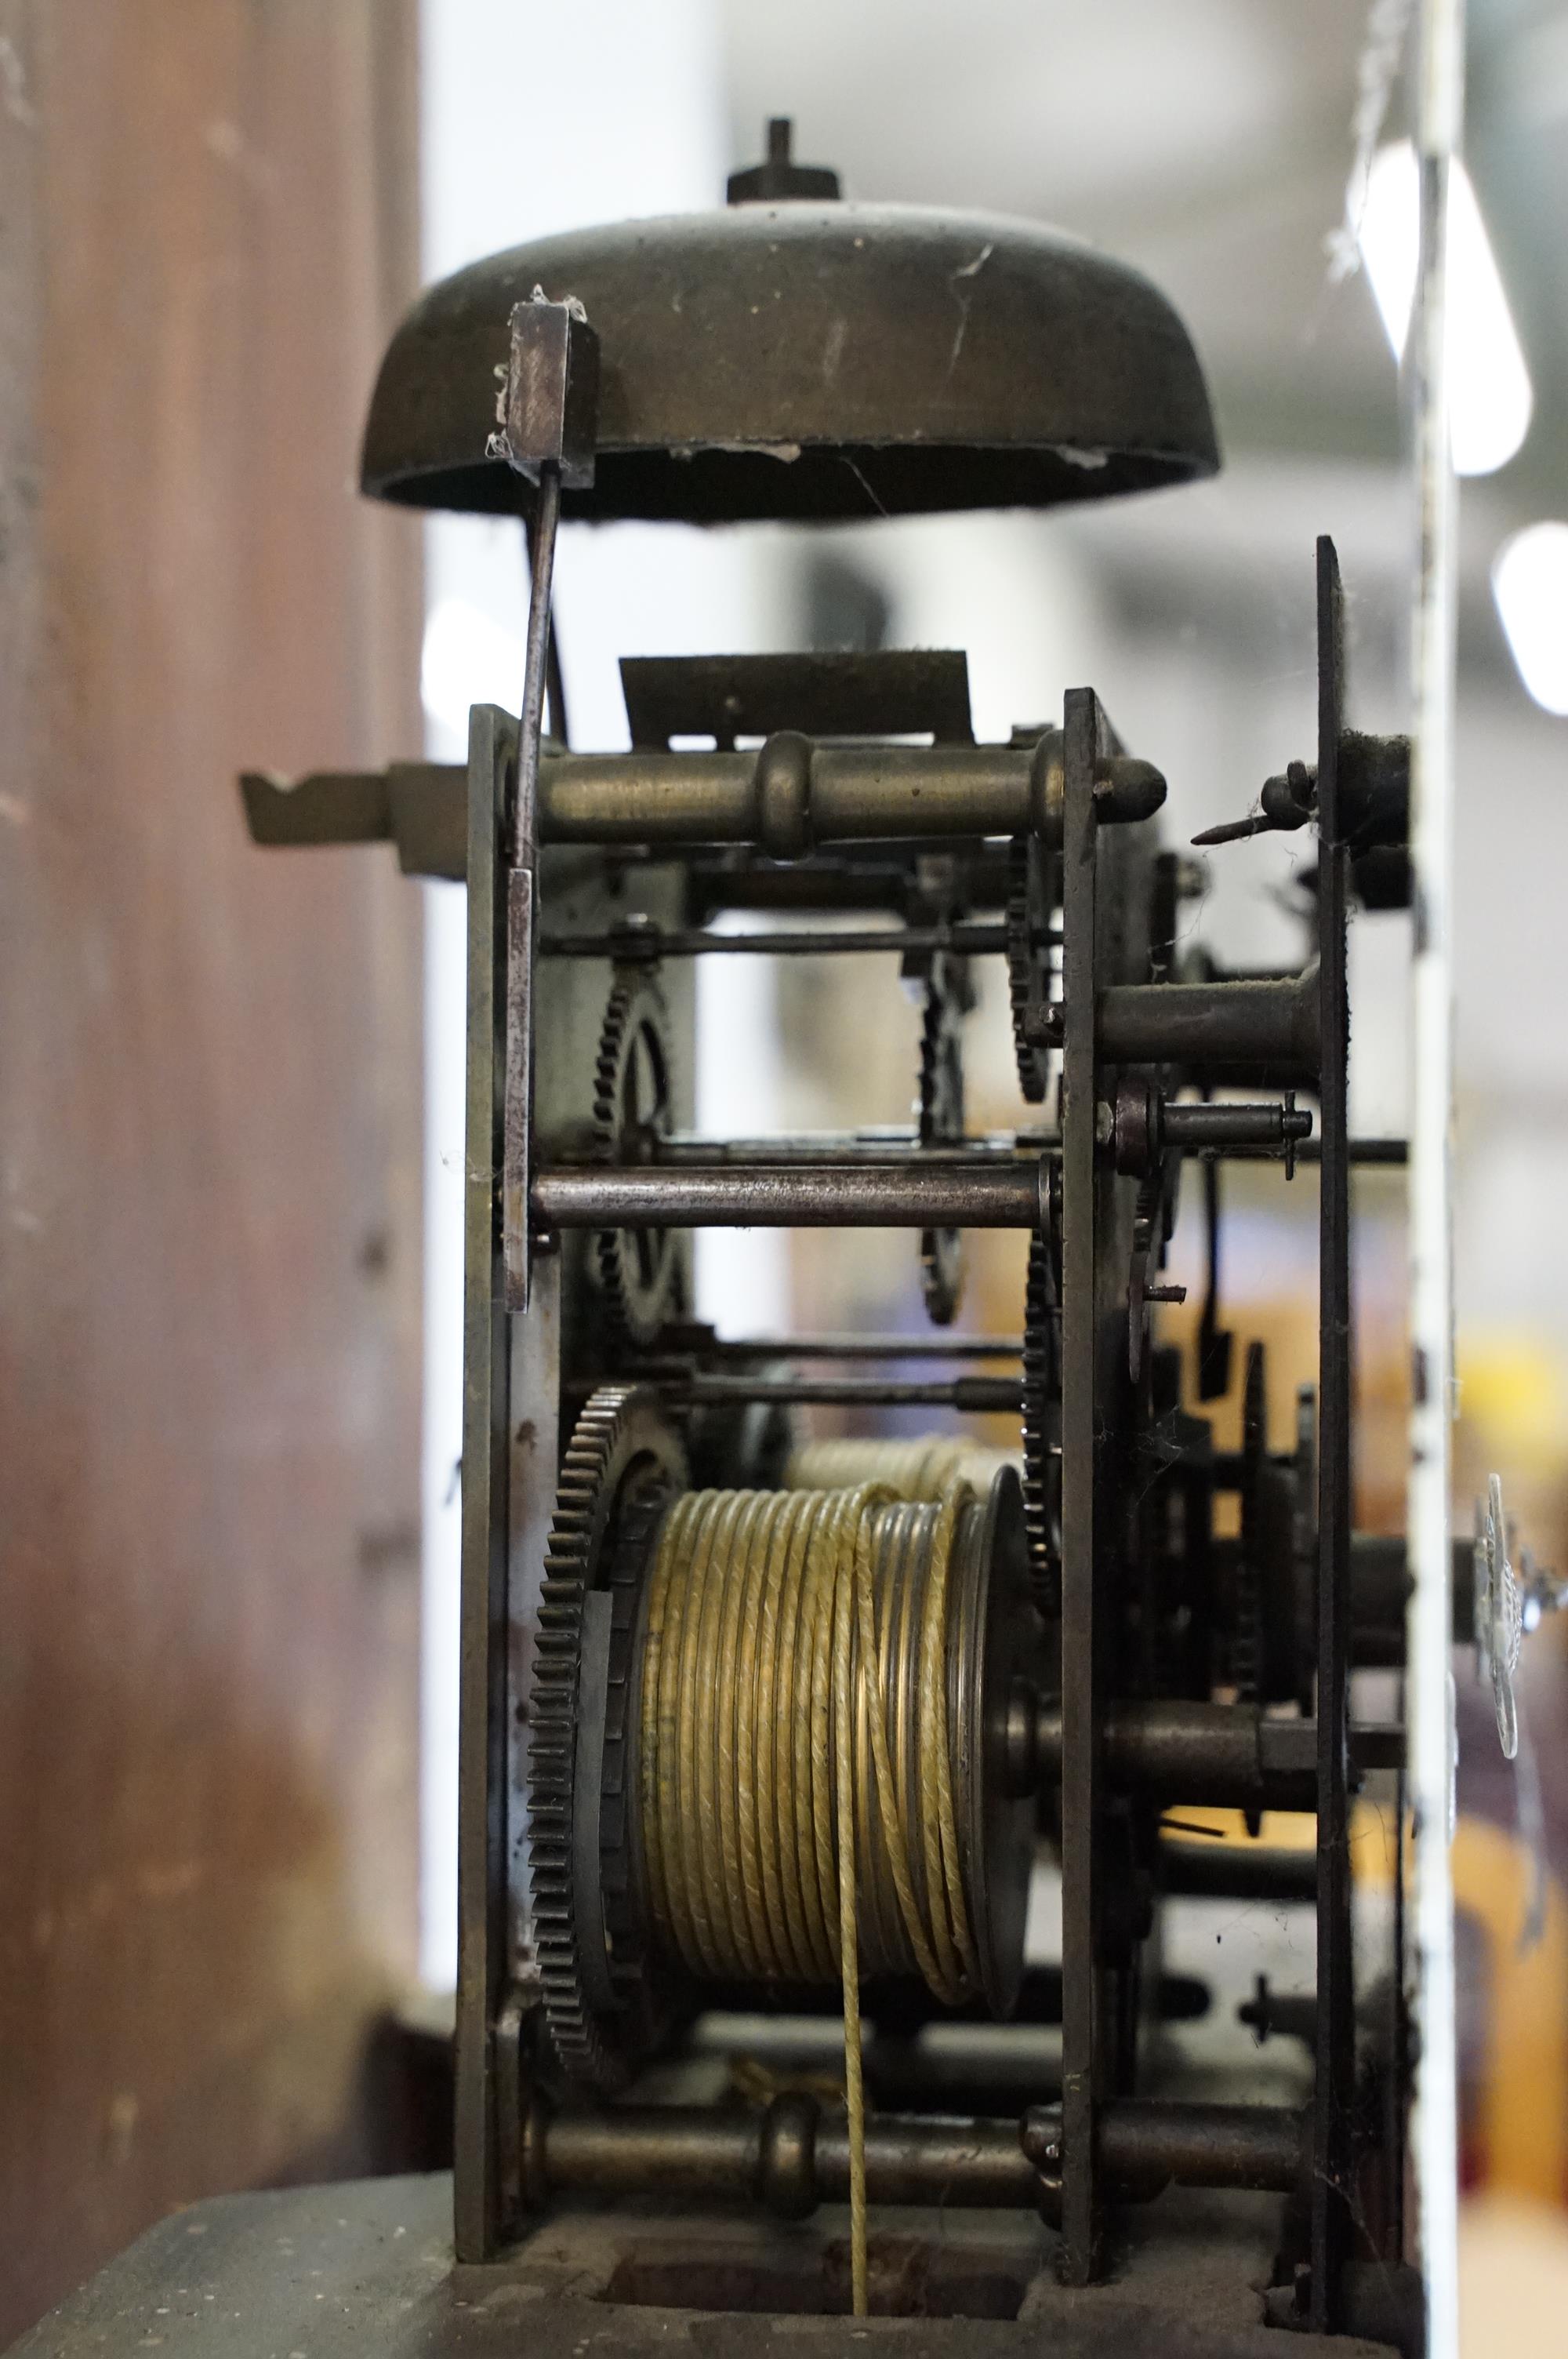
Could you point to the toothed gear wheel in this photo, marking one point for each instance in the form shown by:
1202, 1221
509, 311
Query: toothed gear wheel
621, 1467
949, 995
632, 1100
1043, 1417
1027, 915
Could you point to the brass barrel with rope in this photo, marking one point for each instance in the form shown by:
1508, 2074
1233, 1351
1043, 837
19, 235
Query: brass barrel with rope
759, 1604
780, 1754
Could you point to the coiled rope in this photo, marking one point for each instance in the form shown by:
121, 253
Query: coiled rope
921, 1469
796, 1772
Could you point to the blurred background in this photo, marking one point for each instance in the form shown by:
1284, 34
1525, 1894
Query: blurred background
231, 1096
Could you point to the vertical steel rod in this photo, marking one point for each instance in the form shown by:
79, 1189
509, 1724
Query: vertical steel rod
523, 903
535, 666
481, 1780
1429, 1966
1081, 1735
1334, 2088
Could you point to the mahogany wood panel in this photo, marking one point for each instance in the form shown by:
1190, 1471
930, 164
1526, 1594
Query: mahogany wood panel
209, 1114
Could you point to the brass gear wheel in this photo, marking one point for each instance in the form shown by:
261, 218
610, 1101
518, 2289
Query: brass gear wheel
622, 1466
1043, 1415
632, 1105
1027, 915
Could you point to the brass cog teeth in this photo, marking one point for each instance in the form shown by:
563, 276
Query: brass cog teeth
586, 2056
1019, 958
1039, 1356
636, 1307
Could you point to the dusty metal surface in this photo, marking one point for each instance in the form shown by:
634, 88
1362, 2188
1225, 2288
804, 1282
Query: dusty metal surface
367, 2267
855, 361
902, 690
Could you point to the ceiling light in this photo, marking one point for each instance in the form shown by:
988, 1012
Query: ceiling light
1490, 390
1530, 582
